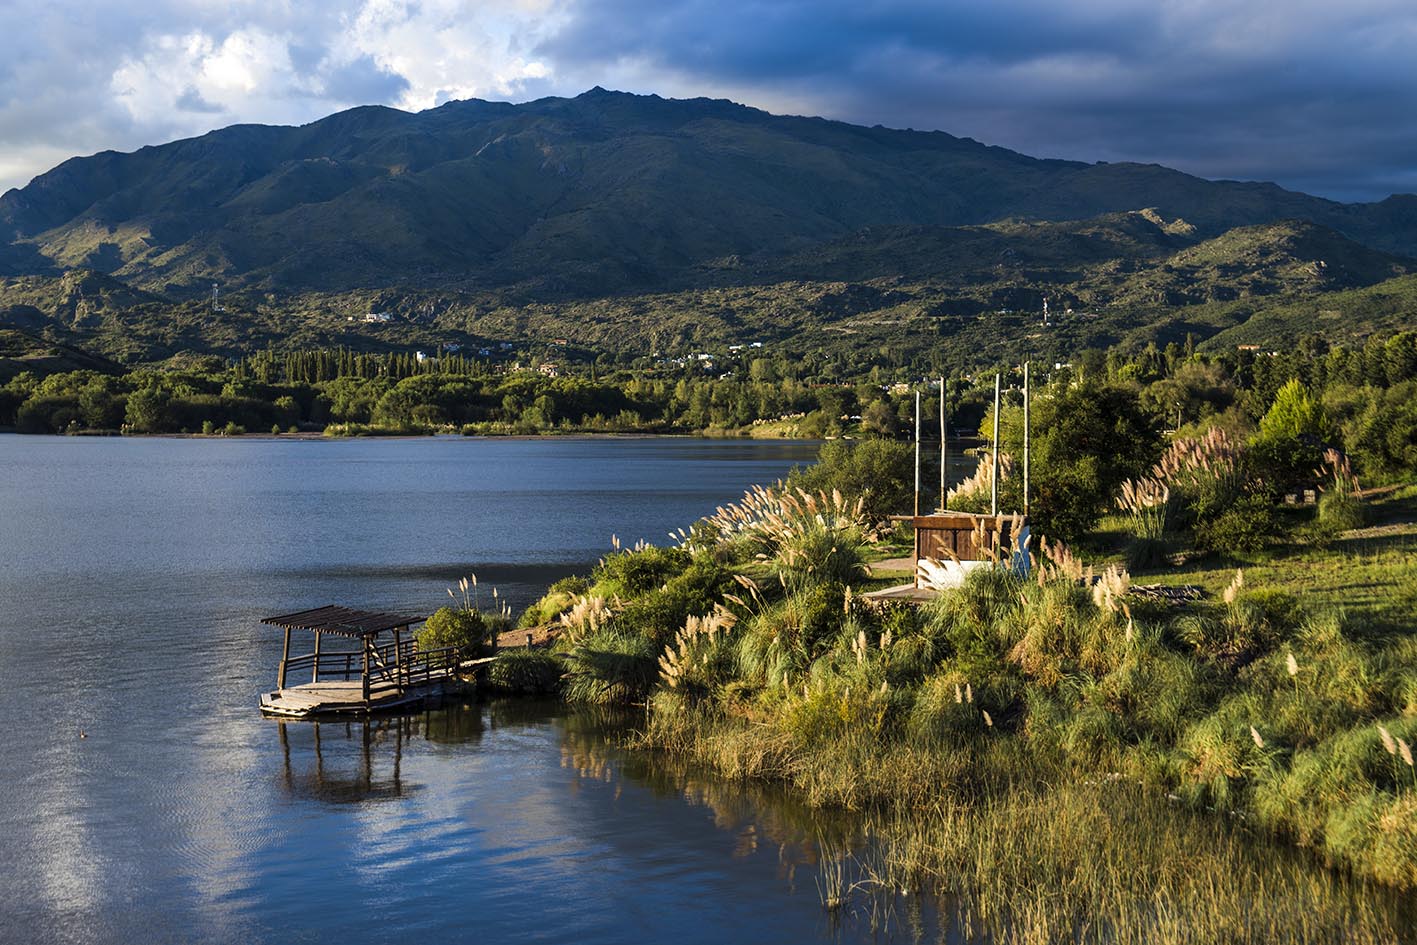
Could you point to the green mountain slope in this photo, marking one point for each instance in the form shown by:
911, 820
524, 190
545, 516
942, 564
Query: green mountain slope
583, 197
967, 293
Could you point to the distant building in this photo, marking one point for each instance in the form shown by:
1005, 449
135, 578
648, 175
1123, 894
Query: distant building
1247, 347
550, 369
378, 318
420, 356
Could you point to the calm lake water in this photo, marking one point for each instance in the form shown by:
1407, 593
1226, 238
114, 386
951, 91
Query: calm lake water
146, 800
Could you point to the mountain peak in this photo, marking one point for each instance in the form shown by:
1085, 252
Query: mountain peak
618, 191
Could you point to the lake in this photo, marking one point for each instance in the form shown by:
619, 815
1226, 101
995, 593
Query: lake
146, 800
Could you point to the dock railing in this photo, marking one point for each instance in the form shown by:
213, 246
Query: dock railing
400, 664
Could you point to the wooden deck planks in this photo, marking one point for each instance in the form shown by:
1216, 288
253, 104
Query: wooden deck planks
334, 696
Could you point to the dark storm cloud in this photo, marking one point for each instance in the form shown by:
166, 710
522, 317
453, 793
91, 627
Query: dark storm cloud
1316, 96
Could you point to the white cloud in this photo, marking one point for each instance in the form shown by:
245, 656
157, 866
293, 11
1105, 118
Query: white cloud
77, 77
246, 71
447, 49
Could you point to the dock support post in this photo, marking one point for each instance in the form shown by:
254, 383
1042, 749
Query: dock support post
315, 669
398, 660
365, 674
284, 657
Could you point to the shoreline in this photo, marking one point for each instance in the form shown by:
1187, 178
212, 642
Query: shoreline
311, 435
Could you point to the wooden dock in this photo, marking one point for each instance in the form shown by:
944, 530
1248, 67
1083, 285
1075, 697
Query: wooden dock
378, 677
344, 697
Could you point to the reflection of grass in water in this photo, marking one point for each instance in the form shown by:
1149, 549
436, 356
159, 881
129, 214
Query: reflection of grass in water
1076, 861
1018, 862
592, 744
1008, 860
1106, 863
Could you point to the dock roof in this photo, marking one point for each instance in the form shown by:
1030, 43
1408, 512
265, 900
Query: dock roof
344, 621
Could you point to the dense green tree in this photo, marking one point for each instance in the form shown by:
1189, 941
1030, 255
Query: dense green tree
1087, 438
1292, 436
880, 471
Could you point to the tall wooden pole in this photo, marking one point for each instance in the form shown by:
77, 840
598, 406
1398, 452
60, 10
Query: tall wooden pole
364, 678
917, 452
994, 479
398, 661
315, 669
944, 449
1026, 432
284, 656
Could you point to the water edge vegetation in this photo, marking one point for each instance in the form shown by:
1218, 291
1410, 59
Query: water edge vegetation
1066, 752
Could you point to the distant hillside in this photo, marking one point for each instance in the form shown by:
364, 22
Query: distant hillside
591, 196
21, 352
966, 295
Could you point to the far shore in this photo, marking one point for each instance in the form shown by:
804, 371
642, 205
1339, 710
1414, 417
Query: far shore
319, 435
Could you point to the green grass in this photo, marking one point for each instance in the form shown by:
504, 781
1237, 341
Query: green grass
1370, 574
1264, 707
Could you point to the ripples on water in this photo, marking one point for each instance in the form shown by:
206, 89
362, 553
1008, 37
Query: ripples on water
145, 800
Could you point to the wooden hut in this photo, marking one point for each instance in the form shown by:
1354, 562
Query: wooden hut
953, 544
387, 670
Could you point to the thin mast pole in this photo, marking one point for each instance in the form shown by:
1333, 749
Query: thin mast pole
917, 452
944, 449
1026, 431
994, 479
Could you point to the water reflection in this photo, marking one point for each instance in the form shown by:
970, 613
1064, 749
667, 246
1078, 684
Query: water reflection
356, 761
352, 760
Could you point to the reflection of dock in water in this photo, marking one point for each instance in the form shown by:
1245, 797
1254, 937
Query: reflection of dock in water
344, 762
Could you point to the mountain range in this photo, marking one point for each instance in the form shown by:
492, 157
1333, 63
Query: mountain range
461, 213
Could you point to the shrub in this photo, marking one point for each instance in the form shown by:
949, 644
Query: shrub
461, 628
611, 667
557, 599
525, 672
658, 614
634, 572
1340, 511
1249, 524
879, 472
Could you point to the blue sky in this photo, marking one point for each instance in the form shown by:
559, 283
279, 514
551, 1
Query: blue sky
1320, 97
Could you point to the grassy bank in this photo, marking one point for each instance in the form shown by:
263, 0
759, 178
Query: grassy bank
1066, 756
